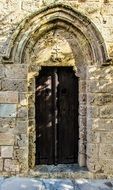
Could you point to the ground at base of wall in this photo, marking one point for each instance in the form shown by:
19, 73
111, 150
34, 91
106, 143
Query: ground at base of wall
17, 183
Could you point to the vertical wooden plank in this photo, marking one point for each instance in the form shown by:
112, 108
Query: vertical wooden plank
44, 140
54, 111
67, 116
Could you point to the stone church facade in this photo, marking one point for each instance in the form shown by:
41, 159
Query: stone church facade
36, 34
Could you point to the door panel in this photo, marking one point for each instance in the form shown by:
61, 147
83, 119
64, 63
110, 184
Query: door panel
44, 136
56, 116
67, 116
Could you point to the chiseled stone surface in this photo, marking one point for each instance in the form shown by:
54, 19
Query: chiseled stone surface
19, 85
8, 110
71, 39
8, 97
17, 72
1, 164
7, 125
6, 139
11, 165
6, 151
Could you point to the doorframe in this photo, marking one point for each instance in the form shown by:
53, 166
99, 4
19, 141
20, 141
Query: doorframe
81, 119
53, 75
89, 50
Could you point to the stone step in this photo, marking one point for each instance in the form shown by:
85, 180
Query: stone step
63, 171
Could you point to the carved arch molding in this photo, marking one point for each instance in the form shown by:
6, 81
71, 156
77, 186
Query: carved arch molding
86, 46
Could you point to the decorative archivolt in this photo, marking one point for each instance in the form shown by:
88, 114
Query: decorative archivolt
88, 39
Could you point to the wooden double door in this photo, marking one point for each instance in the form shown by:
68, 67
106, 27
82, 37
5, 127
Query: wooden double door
56, 106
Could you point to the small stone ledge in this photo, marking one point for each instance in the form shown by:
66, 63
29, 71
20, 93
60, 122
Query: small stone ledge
64, 171
61, 175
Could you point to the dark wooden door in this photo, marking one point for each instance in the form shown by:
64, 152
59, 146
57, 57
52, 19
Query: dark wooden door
56, 116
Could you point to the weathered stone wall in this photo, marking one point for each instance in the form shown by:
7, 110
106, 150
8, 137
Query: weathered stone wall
100, 118
12, 12
17, 81
13, 118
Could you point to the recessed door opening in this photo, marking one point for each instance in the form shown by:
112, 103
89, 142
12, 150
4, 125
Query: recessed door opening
56, 113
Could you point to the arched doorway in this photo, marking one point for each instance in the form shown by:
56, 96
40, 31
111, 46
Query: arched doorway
86, 54
56, 114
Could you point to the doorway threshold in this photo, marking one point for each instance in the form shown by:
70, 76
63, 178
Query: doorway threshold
72, 171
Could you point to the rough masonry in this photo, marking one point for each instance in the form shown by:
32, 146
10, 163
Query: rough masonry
36, 33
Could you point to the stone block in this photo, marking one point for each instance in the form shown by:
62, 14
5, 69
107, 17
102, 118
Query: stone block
21, 127
106, 86
106, 165
7, 110
19, 85
102, 86
108, 10
7, 151
1, 165
6, 139
107, 34
31, 112
31, 99
21, 140
23, 99
82, 147
92, 150
8, 97
106, 151
82, 86
93, 86
82, 110
1, 71
90, 123
106, 111
106, 137
22, 112
100, 124
16, 71
105, 124
96, 73
99, 99
22, 156
92, 111
93, 165
82, 122
7, 125
93, 136
82, 154
28, 5
11, 165
82, 134
82, 98
91, 7
81, 160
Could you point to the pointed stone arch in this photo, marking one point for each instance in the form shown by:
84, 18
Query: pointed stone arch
54, 16
89, 48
